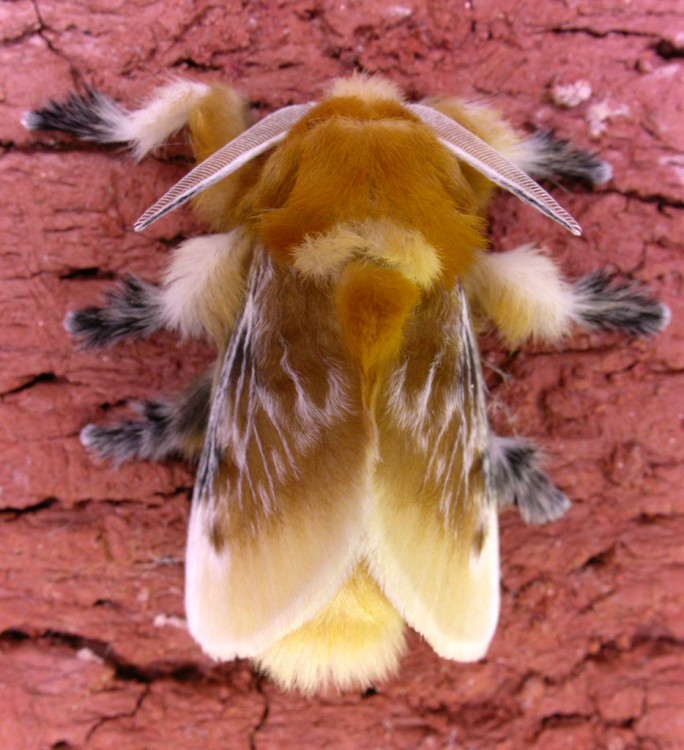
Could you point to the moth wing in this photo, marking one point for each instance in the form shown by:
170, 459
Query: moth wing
433, 535
283, 484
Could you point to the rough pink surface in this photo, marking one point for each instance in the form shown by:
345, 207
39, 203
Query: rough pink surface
589, 649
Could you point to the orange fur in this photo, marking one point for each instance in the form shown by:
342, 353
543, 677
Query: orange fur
373, 304
355, 160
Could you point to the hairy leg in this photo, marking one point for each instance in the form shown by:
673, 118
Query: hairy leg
171, 427
203, 289
546, 157
134, 310
202, 294
524, 294
517, 479
214, 115
543, 156
603, 302
93, 116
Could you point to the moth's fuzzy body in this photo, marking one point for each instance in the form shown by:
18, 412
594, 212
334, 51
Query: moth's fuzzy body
348, 479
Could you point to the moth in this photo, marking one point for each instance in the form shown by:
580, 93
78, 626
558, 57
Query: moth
348, 479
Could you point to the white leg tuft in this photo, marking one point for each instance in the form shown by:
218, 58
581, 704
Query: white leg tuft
167, 111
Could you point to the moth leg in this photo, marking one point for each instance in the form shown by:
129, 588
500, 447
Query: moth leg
204, 288
214, 114
544, 156
93, 116
201, 295
134, 310
523, 292
219, 117
541, 155
604, 303
517, 479
172, 427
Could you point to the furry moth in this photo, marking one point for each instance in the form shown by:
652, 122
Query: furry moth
348, 480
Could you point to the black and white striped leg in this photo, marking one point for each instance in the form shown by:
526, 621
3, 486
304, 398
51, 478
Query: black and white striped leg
134, 310
174, 427
517, 479
603, 303
552, 157
91, 117
95, 117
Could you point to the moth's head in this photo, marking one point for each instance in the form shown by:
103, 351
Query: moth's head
367, 88
361, 156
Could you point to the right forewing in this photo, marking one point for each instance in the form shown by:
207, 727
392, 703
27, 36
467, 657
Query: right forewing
433, 535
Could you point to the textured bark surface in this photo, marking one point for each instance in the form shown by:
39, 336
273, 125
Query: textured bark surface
93, 653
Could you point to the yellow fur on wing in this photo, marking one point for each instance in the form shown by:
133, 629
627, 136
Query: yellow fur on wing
356, 640
279, 529
445, 585
242, 598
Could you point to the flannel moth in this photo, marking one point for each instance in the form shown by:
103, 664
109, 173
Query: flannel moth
348, 479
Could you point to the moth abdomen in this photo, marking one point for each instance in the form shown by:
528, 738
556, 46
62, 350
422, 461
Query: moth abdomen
356, 640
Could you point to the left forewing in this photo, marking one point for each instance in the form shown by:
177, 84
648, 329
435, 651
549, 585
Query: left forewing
433, 535
283, 483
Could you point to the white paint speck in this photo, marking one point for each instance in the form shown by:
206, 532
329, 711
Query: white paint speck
172, 621
399, 11
86, 654
600, 113
571, 95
